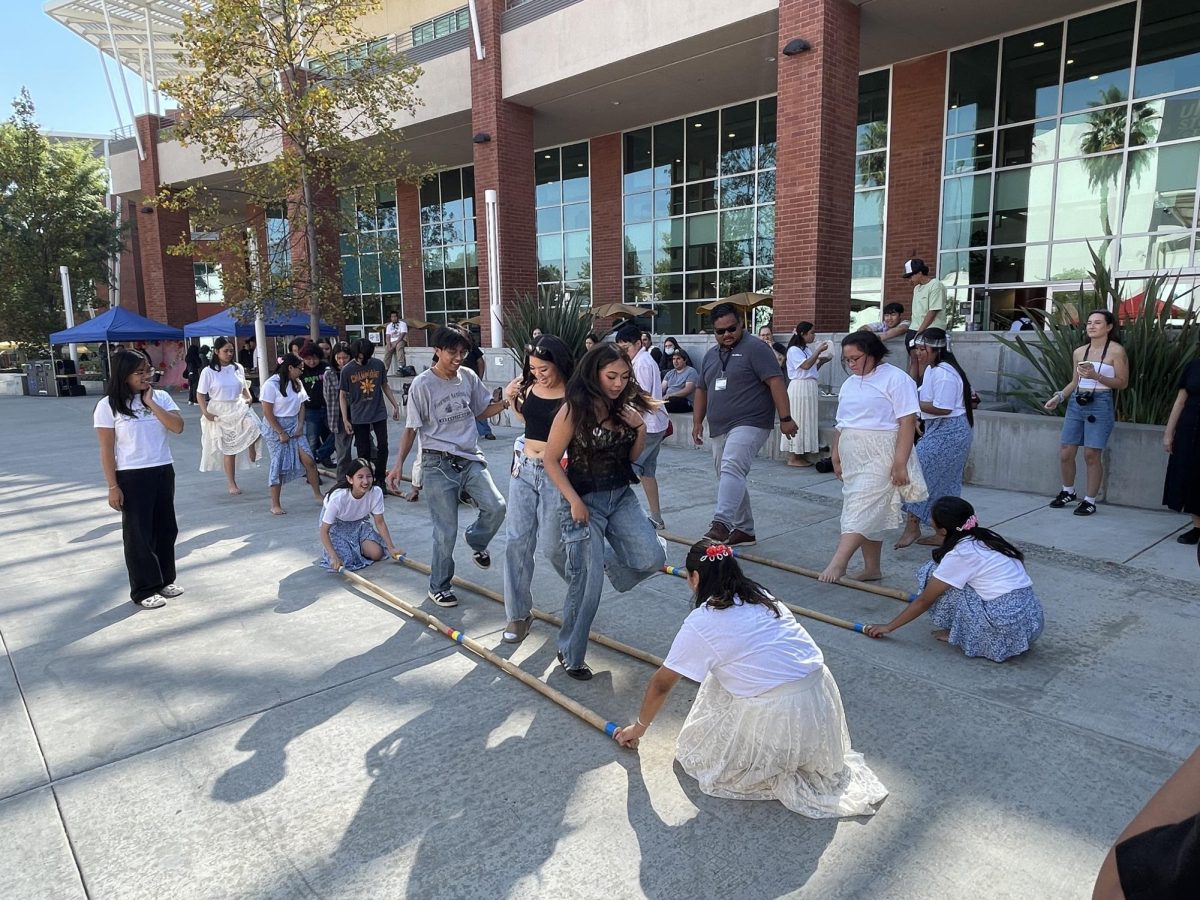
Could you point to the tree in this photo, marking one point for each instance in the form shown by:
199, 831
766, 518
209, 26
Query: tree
52, 214
298, 101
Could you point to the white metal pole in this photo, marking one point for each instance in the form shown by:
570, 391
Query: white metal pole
112, 41
153, 70
490, 204
65, 274
260, 324
479, 51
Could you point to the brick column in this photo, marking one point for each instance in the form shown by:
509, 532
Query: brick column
914, 170
607, 238
504, 164
168, 282
814, 205
412, 270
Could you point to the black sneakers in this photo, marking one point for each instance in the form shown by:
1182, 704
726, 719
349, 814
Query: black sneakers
1063, 498
443, 598
482, 559
583, 673
1085, 509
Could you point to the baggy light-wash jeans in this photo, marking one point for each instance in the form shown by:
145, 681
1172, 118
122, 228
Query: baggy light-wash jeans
443, 479
634, 553
532, 522
732, 454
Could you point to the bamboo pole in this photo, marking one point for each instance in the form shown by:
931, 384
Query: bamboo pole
892, 593
798, 610
596, 721
593, 636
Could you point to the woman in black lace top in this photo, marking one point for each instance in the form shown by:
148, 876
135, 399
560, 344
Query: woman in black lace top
600, 429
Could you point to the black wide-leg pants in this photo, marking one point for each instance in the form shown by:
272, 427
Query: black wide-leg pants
148, 528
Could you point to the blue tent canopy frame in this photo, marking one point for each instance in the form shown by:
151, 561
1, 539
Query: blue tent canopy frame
118, 324
281, 325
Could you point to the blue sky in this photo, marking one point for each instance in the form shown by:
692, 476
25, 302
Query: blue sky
62, 72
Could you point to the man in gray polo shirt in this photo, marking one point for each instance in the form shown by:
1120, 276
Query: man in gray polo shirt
443, 404
741, 392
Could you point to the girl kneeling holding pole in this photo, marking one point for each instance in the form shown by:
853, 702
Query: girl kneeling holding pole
348, 537
767, 723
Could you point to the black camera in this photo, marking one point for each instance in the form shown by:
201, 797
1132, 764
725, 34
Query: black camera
1085, 399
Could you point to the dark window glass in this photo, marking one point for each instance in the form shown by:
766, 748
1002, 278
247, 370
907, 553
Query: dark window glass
575, 173
971, 97
701, 286
701, 159
737, 191
1099, 52
766, 133
1168, 47
766, 187
668, 153
468, 195
1029, 74
968, 154
430, 201
548, 188
702, 197
870, 169
1178, 117
1024, 144
702, 241
668, 245
1012, 265
873, 110
738, 138
638, 175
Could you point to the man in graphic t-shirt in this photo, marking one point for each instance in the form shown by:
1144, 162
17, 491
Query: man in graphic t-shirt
443, 404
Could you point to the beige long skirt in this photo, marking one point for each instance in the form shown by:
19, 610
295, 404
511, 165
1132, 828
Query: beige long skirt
802, 398
871, 504
790, 744
234, 432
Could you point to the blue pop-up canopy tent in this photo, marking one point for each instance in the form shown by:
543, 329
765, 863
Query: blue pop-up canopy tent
118, 324
280, 325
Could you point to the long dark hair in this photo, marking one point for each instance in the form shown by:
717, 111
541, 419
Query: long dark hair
1109, 319
362, 350
355, 466
120, 394
548, 348
193, 360
214, 361
935, 336
584, 393
952, 513
281, 370
334, 351
721, 578
797, 338
868, 342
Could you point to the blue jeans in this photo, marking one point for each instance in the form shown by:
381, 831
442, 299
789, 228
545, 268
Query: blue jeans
442, 480
483, 427
532, 521
634, 553
316, 429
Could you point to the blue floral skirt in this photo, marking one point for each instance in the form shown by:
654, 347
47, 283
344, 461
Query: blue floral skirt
347, 539
998, 629
285, 457
942, 452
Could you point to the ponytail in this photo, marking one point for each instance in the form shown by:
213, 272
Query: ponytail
721, 578
957, 517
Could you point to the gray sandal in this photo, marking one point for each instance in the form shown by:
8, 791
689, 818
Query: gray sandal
517, 629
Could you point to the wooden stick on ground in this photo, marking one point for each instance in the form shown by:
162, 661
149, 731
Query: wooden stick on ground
594, 636
879, 589
798, 610
596, 721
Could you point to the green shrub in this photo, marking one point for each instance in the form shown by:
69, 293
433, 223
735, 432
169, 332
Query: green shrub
569, 319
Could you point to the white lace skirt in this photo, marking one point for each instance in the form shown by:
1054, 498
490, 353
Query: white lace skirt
802, 400
790, 744
232, 434
871, 504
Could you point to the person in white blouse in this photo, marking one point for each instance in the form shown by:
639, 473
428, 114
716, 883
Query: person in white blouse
229, 430
132, 422
282, 399
975, 589
767, 723
803, 362
353, 531
947, 420
872, 453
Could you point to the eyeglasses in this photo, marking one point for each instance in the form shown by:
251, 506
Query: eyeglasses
457, 351
730, 330
851, 360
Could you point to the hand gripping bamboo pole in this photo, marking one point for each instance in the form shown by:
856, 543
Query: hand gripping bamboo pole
596, 721
879, 589
679, 572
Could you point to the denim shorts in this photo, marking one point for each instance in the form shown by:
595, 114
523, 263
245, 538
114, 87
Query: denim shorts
647, 463
1091, 424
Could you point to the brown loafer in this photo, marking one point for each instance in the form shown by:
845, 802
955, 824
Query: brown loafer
517, 629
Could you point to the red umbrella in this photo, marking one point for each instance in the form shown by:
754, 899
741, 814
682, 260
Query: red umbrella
1132, 308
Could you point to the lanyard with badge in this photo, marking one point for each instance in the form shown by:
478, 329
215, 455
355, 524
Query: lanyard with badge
724, 357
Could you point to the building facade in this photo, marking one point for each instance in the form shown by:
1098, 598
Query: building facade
668, 152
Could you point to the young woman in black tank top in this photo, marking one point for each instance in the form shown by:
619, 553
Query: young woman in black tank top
600, 428
533, 500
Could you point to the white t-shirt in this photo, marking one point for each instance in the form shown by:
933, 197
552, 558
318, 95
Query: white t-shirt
746, 647
141, 441
649, 377
991, 574
223, 385
395, 331
340, 505
795, 356
943, 387
284, 404
876, 401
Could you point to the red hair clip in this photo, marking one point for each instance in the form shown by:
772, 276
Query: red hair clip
718, 551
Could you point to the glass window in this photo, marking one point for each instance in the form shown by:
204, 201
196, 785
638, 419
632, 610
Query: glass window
701, 197
1029, 74
1160, 192
1021, 145
547, 183
668, 153
637, 169
1022, 205
207, 277
576, 183
701, 149
1073, 261
766, 133
966, 208
737, 191
971, 98
1170, 119
873, 110
1162, 250
563, 197
737, 238
1087, 193
1168, 47
738, 138
870, 169
868, 223
1099, 53
702, 241
1014, 265
576, 216
967, 154
448, 253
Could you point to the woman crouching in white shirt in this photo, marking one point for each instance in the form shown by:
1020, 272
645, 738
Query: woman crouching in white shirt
767, 723
976, 589
353, 531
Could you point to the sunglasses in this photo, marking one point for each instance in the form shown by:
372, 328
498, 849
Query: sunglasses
730, 330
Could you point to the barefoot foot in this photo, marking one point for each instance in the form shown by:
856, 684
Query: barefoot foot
278, 511
941, 634
930, 540
865, 575
800, 463
832, 573
234, 490
908, 537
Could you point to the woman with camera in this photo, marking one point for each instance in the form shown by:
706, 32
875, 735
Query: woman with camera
1101, 367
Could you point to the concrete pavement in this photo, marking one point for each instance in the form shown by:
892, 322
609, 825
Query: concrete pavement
277, 733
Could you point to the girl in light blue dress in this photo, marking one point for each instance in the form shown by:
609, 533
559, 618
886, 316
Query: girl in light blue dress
353, 532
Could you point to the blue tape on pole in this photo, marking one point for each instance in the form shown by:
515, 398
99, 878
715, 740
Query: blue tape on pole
859, 626
912, 597
610, 728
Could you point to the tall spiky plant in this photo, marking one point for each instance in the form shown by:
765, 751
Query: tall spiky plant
567, 317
